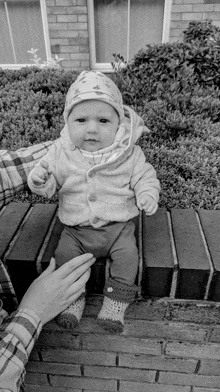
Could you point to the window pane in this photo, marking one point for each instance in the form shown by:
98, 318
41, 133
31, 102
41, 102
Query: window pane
6, 54
110, 28
146, 24
27, 30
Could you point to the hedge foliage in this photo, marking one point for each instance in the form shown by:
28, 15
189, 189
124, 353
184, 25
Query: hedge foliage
31, 105
174, 87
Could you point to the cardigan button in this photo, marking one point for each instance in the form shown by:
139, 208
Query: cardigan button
95, 220
91, 174
92, 197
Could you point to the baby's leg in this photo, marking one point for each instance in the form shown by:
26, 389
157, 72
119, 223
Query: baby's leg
68, 248
120, 289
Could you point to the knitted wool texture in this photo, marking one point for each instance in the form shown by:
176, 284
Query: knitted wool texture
94, 85
117, 298
71, 316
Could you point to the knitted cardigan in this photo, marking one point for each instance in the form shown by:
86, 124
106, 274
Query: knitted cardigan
102, 193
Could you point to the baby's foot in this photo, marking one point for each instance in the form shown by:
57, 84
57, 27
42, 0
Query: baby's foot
71, 316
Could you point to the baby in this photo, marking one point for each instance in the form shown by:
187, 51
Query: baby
102, 181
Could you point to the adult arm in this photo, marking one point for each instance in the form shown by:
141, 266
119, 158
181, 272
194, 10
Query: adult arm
15, 167
47, 296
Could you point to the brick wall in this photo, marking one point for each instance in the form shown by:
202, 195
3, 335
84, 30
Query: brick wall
165, 347
184, 11
68, 32
68, 26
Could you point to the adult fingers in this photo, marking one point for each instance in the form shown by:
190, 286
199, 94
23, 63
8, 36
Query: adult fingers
79, 285
77, 273
66, 269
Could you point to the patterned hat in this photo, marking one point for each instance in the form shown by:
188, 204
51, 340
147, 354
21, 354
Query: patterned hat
93, 85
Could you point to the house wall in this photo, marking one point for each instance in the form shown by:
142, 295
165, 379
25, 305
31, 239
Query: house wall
68, 32
68, 26
185, 11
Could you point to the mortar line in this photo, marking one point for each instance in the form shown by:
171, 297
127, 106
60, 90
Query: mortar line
208, 256
140, 253
45, 243
175, 259
2, 210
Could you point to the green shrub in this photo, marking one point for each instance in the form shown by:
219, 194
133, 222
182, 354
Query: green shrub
188, 167
31, 105
174, 87
202, 32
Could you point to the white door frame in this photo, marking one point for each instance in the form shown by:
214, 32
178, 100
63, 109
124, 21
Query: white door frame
107, 67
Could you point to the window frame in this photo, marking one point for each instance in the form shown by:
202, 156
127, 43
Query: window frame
107, 67
43, 9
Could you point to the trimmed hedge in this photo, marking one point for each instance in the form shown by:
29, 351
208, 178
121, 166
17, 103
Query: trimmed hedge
31, 105
174, 87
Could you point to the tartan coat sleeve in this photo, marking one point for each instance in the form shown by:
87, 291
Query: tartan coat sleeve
15, 167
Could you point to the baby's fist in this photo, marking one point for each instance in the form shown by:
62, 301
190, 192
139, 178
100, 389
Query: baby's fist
40, 174
148, 204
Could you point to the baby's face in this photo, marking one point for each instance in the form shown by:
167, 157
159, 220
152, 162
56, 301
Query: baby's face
92, 125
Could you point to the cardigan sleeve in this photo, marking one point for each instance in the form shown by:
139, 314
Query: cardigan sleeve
15, 167
18, 333
144, 178
49, 188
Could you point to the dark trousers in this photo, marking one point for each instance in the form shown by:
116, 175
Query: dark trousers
115, 241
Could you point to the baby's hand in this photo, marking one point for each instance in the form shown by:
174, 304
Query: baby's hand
148, 204
40, 174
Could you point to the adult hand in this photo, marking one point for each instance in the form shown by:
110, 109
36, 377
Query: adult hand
54, 290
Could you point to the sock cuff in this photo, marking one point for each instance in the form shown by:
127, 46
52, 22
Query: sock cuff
119, 291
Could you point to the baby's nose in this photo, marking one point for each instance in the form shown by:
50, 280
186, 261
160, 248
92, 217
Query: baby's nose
92, 126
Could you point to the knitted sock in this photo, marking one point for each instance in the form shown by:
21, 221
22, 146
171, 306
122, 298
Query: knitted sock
71, 316
116, 300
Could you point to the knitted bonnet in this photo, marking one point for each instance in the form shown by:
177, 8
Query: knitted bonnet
94, 85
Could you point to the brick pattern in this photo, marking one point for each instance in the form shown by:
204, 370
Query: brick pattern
68, 26
168, 344
68, 32
166, 356
185, 11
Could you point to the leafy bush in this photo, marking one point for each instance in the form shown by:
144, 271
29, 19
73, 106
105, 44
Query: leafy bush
201, 32
188, 166
174, 87
31, 105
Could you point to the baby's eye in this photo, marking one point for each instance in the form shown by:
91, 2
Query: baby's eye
81, 120
103, 120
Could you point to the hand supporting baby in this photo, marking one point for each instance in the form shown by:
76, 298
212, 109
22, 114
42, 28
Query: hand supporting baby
148, 204
41, 173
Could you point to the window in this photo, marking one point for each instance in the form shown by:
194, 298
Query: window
23, 25
124, 27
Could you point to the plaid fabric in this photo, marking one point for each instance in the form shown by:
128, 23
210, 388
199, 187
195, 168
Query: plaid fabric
20, 330
18, 334
15, 167
6, 287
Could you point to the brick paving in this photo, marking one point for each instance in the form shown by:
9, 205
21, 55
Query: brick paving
167, 346
171, 340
